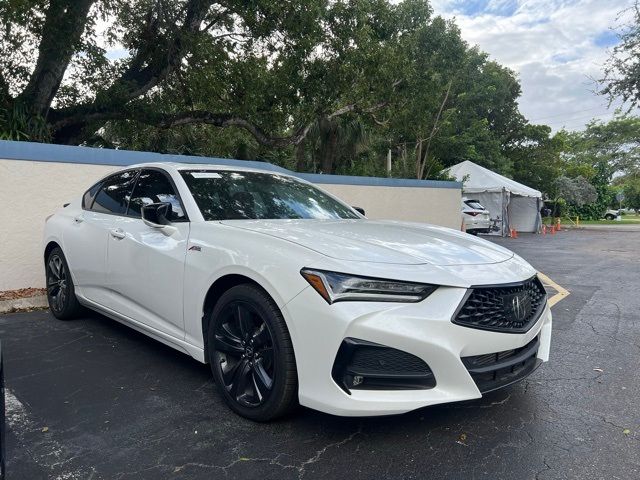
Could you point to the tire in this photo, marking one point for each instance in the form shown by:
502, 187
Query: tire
251, 354
608, 216
61, 295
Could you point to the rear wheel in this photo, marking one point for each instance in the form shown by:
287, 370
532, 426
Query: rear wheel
60, 291
608, 216
251, 354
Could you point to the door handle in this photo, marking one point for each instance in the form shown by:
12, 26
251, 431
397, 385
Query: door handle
79, 218
117, 233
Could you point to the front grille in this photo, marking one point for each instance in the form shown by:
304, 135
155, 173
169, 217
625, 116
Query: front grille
510, 308
365, 365
496, 370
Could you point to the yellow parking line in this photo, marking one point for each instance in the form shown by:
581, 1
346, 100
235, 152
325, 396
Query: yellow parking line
561, 292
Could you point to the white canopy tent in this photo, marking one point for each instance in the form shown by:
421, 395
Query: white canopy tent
512, 204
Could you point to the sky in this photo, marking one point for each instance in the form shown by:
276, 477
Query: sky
557, 47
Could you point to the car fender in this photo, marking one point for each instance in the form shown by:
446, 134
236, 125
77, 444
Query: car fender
272, 263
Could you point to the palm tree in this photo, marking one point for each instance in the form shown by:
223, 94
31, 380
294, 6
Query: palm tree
333, 140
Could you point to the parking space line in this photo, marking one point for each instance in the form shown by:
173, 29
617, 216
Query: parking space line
561, 292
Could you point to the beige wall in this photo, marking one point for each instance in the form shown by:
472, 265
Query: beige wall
29, 191
440, 206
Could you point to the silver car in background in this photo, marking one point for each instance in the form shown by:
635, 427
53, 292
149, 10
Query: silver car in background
475, 218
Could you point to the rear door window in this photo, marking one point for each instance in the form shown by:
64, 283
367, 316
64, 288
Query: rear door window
115, 193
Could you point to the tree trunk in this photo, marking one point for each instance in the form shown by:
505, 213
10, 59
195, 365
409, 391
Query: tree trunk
329, 152
419, 159
63, 27
300, 157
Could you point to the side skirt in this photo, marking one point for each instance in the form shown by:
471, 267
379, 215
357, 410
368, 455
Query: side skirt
178, 344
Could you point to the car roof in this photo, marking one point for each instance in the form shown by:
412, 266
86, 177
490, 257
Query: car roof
205, 166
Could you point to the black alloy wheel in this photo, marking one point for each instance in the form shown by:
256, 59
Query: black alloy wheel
251, 354
244, 349
60, 291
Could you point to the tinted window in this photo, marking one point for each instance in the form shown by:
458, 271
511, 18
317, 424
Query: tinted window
474, 204
154, 187
114, 195
227, 195
89, 195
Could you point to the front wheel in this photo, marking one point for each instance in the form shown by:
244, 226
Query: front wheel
251, 354
608, 216
60, 290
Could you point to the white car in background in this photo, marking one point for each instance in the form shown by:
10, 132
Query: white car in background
293, 296
475, 218
612, 214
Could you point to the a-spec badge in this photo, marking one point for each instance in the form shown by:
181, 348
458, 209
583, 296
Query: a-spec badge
195, 248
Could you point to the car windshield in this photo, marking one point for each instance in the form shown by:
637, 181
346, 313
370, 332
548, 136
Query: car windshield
234, 195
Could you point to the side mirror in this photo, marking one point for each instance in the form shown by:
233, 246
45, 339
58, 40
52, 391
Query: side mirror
157, 215
359, 210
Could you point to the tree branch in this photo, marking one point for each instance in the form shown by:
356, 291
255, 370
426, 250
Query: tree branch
64, 23
144, 71
5, 96
423, 163
221, 120
138, 80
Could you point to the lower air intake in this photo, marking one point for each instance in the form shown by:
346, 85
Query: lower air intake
362, 365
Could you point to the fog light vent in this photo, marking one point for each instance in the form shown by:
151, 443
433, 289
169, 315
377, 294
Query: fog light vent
365, 365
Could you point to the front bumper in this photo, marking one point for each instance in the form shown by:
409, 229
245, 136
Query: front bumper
423, 329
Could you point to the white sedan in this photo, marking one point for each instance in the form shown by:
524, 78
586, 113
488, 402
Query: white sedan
293, 296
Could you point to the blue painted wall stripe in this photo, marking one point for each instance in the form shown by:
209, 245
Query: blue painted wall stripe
44, 152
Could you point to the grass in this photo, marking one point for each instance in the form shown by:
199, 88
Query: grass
629, 219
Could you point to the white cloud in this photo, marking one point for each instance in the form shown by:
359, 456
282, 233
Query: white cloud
558, 48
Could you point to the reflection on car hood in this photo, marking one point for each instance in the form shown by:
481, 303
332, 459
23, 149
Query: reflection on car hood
381, 241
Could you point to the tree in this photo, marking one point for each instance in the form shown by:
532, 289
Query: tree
632, 193
322, 85
622, 71
536, 157
575, 191
630, 186
268, 67
454, 103
615, 144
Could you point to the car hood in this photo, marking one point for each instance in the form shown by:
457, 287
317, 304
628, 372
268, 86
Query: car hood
381, 241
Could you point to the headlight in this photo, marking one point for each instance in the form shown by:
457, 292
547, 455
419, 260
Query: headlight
338, 287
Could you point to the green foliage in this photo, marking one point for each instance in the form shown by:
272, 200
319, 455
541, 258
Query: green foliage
632, 193
604, 196
17, 124
622, 72
536, 158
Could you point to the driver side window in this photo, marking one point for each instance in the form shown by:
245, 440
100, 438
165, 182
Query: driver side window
153, 187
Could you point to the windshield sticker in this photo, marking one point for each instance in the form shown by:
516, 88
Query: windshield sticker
205, 175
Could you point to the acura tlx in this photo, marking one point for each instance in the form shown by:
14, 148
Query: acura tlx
292, 296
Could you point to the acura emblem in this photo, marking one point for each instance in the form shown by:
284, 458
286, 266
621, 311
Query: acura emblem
519, 311
517, 306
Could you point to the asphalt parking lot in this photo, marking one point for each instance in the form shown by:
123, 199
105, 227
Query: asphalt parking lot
92, 399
